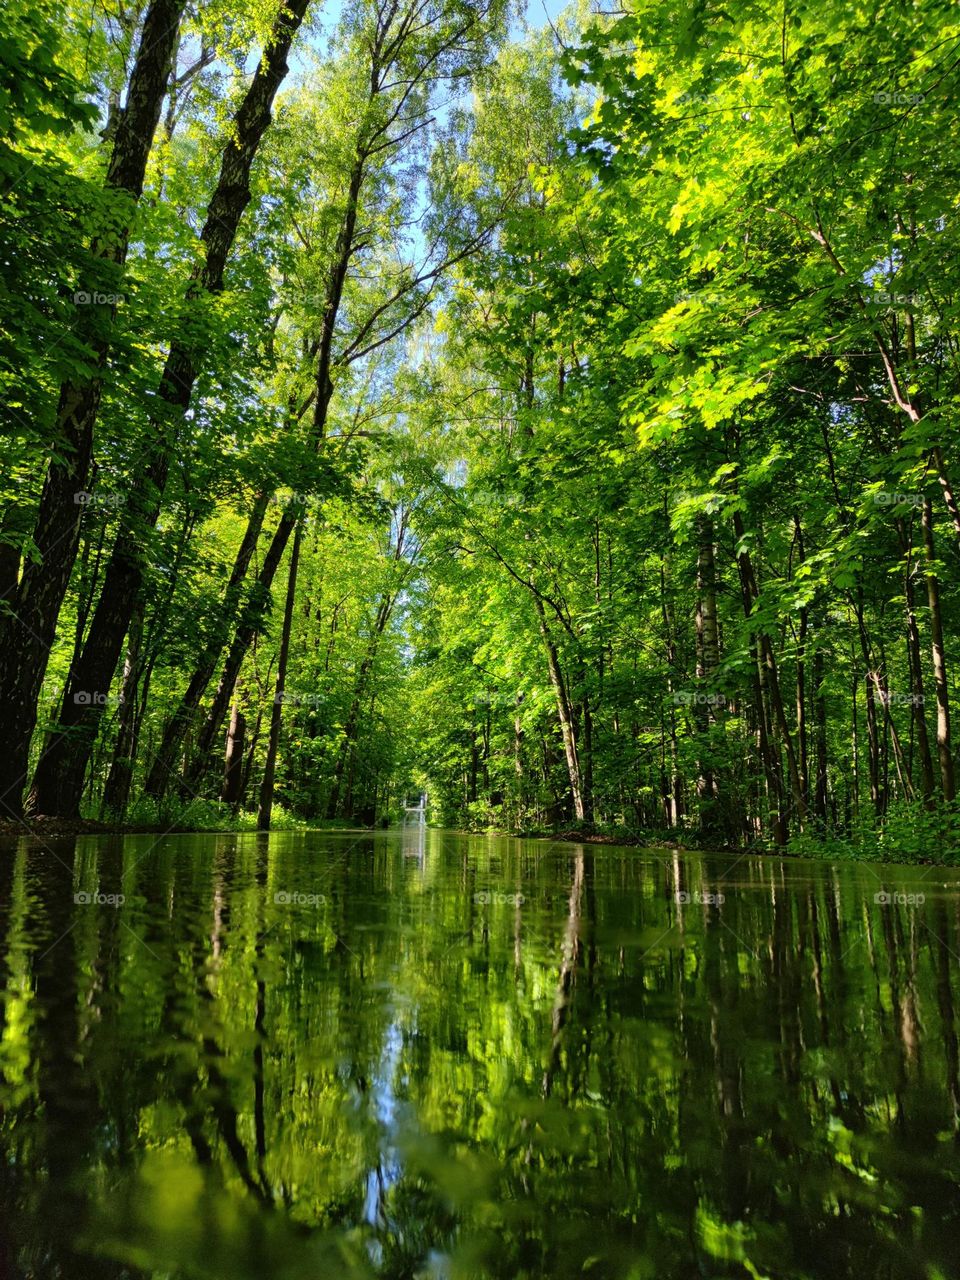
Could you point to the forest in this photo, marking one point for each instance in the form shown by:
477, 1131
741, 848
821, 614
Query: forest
479, 640
551, 415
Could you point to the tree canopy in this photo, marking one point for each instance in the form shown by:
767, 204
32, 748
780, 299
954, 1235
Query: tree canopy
555, 418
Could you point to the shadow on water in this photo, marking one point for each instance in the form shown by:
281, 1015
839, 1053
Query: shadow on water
416, 1053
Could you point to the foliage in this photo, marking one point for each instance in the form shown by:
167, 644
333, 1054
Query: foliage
567, 433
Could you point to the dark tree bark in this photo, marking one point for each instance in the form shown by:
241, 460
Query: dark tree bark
774, 722
59, 779
944, 747
672, 784
708, 659
820, 739
918, 720
568, 728
877, 794
254, 616
265, 810
28, 633
352, 723
232, 792
117, 790
185, 713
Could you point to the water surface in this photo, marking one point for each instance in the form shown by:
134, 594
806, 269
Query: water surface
421, 1054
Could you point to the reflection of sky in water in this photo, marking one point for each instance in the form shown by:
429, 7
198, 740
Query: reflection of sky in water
387, 1170
415, 834
680, 1056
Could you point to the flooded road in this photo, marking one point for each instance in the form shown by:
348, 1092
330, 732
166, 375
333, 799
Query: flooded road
417, 1053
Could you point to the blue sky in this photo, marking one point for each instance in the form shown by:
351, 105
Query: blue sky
538, 13
539, 10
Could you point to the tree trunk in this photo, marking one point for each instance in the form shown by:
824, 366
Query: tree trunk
255, 614
384, 612
586, 759
474, 761
801, 690
672, 785
944, 749
946, 489
855, 738
116, 793
59, 779
253, 617
877, 798
820, 738
265, 810
918, 718
770, 684
708, 659
186, 709
28, 633
232, 792
564, 712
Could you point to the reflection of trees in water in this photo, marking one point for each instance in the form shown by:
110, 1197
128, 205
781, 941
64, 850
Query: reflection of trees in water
619, 1063
572, 951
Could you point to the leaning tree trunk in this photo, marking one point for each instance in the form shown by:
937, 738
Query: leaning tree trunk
352, 723
28, 632
568, 731
232, 792
186, 710
273, 741
59, 780
116, 793
254, 616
